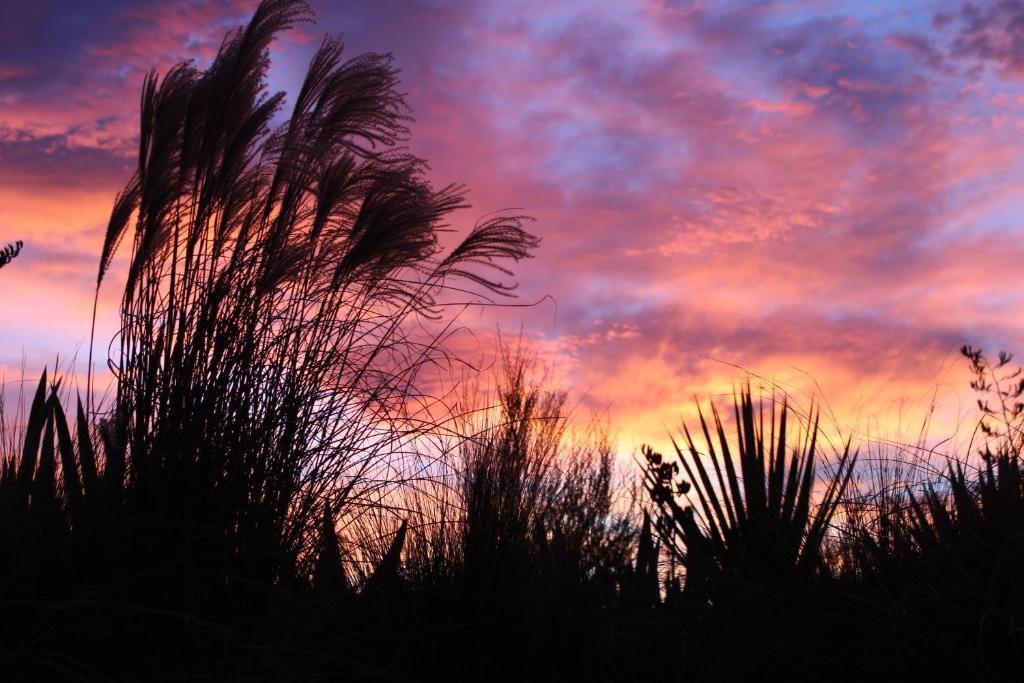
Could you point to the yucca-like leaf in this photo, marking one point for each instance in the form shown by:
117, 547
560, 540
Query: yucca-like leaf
329, 575
645, 570
33, 437
43, 505
386, 575
965, 517
86, 453
73, 493
755, 520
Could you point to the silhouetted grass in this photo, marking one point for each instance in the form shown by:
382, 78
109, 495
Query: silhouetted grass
517, 543
264, 354
270, 493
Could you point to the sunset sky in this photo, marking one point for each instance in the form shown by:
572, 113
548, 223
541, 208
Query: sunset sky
826, 194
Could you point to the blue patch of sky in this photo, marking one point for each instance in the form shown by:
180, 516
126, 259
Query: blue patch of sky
999, 215
748, 64
586, 155
613, 299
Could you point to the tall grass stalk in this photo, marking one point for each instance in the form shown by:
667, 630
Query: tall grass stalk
266, 355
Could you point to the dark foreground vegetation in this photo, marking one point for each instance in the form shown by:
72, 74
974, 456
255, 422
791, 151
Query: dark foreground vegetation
271, 492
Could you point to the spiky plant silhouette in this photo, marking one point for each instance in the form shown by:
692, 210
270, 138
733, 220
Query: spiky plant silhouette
55, 476
751, 524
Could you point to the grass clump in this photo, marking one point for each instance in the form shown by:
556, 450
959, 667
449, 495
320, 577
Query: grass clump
272, 490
